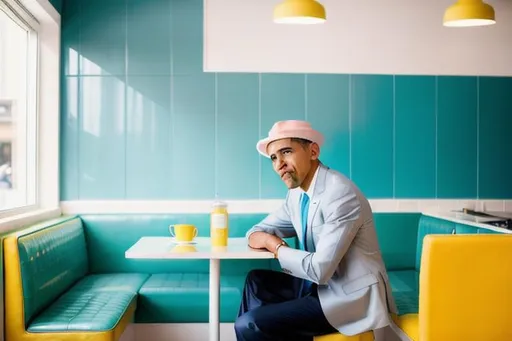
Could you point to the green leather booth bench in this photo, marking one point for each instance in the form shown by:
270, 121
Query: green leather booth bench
68, 278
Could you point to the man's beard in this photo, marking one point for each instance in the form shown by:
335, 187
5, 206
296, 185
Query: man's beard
291, 180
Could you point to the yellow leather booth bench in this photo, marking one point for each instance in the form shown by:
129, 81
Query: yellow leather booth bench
406, 322
49, 294
68, 279
465, 288
464, 291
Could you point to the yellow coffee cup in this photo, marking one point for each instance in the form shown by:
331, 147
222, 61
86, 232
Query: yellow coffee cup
183, 232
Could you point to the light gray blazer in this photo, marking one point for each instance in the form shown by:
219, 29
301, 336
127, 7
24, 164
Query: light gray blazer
345, 261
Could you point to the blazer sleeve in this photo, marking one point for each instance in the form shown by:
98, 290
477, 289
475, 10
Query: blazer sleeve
278, 223
341, 209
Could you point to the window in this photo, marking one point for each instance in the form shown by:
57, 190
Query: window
18, 107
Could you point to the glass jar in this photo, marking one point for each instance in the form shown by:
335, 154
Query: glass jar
219, 224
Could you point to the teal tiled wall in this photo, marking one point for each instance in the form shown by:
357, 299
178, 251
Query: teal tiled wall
140, 120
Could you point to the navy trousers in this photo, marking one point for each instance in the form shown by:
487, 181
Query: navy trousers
274, 309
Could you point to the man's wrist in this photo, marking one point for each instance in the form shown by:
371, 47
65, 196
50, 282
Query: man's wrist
276, 249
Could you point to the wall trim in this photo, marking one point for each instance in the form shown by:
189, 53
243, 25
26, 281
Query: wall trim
269, 205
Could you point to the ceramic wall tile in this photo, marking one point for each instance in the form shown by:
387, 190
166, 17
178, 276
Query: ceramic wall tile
101, 144
371, 124
457, 137
149, 170
136, 103
415, 137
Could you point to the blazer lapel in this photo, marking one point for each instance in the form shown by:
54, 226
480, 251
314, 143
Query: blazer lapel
315, 202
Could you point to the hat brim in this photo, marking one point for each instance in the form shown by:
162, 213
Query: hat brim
310, 135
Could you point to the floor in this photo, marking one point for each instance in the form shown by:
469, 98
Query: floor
175, 332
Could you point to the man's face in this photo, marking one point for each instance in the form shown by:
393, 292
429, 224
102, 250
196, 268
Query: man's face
291, 160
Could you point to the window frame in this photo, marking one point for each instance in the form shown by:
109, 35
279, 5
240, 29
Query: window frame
19, 14
43, 22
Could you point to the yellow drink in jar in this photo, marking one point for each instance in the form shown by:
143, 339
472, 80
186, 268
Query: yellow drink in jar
219, 224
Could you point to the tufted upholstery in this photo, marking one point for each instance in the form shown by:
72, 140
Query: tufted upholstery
48, 290
163, 294
51, 261
68, 278
183, 297
95, 303
83, 311
110, 235
405, 287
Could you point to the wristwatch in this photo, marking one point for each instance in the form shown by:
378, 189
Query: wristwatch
277, 247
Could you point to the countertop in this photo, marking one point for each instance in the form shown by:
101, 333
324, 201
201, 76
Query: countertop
463, 218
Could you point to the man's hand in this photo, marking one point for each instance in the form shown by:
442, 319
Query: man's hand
263, 240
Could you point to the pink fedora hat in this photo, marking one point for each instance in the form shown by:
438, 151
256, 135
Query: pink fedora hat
288, 129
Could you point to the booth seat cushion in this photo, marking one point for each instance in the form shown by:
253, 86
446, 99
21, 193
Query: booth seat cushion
409, 324
183, 297
405, 287
95, 303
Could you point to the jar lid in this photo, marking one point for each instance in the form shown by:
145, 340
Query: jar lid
219, 203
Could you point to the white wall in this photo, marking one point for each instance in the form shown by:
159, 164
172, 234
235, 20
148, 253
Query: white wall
360, 36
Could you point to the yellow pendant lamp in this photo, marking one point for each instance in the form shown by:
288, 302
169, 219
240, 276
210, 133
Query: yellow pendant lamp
299, 12
466, 13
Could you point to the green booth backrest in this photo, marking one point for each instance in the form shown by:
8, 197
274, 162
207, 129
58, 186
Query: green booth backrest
397, 234
469, 229
431, 225
487, 231
110, 235
465, 229
52, 260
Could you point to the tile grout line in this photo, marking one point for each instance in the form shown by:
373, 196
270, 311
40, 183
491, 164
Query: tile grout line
171, 113
436, 114
350, 126
478, 137
394, 136
216, 134
259, 134
125, 101
79, 102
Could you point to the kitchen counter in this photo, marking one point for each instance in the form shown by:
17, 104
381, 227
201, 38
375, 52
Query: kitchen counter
467, 219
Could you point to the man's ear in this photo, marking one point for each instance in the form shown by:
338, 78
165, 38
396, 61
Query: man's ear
315, 151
